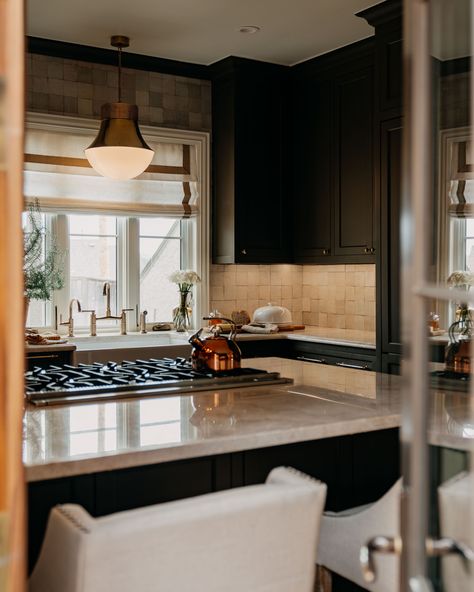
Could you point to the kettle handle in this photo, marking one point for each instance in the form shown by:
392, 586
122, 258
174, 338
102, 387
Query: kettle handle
233, 331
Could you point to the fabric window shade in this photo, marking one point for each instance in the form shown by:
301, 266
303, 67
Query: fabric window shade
461, 179
59, 176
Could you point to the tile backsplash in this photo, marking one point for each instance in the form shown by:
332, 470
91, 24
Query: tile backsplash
339, 296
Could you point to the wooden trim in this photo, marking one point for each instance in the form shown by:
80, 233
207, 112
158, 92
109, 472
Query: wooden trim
12, 478
84, 163
97, 55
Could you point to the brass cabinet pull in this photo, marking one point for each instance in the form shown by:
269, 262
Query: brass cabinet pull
366, 250
47, 357
244, 251
357, 367
326, 251
314, 360
377, 544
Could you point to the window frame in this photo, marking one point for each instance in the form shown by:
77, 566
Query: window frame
196, 231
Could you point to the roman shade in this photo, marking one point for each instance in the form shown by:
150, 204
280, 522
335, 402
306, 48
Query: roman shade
460, 179
59, 176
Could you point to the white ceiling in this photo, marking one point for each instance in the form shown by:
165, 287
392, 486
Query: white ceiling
204, 31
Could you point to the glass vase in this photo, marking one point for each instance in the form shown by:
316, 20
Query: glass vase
182, 312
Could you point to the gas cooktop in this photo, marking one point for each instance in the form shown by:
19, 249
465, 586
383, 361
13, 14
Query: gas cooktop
91, 382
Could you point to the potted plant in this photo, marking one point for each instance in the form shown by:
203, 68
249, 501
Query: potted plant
43, 271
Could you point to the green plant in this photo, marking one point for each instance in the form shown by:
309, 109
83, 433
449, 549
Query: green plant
43, 271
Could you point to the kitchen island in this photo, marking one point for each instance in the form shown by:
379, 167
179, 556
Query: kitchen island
338, 424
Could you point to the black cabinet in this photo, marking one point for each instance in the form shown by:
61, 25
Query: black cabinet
311, 167
353, 168
43, 358
357, 358
332, 157
249, 210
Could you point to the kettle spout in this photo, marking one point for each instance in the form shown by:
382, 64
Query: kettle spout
196, 341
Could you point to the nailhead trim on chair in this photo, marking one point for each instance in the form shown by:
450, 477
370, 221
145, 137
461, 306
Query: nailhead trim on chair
73, 520
303, 475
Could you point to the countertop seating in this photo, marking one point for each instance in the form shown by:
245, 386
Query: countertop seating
259, 538
344, 533
456, 514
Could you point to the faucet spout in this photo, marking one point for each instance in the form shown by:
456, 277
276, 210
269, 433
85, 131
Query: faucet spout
106, 292
71, 303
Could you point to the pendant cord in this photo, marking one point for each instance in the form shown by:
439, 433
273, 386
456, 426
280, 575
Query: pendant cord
119, 74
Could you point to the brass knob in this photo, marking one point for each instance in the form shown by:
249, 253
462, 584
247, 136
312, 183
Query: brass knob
372, 250
366, 250
326, 251
244, 251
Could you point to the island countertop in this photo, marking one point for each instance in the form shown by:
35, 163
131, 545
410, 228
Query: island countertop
322, 402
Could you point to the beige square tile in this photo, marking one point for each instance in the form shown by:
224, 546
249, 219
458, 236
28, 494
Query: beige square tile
296, 305
275, 294
322, 319
323, 292
349, 307
338, 278
241, 278
298, 317
264, 275
314, 305
359, 322
217, 293
359, 294
350, 278
359, 278
254, 277
314, 291
217, 279
369, 324
242, 293
369, 294
350, 321
297, 290
306, 304
340, 307
264, 293
370, 278
349, 293
286, 292
229, 292
253, 292
307, 291
340, 321
306, 318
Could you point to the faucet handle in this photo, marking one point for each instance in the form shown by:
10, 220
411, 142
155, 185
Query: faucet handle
127, 309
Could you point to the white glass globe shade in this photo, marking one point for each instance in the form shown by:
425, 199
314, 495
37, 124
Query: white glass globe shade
119, 162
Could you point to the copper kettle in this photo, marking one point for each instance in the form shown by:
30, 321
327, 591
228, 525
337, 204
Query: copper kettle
216, 352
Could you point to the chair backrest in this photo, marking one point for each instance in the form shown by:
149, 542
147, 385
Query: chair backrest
257, 538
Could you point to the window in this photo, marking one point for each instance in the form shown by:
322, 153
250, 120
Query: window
135, 256
129, 234
469, 245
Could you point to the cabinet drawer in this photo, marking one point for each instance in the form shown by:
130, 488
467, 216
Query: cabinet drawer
44, 359
337, 361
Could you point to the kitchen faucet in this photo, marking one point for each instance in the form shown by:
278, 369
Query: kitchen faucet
70, 322
108, 313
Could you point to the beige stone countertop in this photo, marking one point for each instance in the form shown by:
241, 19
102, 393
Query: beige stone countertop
348, 337
53, 347
322, 402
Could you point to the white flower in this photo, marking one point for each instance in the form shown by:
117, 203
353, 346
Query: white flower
185, 278
460, 279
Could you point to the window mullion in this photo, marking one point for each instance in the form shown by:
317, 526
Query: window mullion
130, 267
60, 299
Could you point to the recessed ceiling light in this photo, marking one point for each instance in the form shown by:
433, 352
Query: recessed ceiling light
249, 29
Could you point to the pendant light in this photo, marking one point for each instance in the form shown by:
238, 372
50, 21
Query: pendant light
119, 150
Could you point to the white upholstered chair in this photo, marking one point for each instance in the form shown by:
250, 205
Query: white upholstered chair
342, 535
257, 538
456, 517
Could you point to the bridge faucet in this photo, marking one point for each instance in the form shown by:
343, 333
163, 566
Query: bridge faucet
70, 322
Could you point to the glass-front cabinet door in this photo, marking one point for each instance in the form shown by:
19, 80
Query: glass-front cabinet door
437, 252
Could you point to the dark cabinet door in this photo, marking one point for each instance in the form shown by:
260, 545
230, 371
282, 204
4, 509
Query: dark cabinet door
249, 211
261, 230
353, 180
311, 165
390, 180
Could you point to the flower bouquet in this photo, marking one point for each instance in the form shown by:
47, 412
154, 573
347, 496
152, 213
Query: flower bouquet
185, 280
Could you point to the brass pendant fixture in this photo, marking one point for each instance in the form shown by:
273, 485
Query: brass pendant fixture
119, 150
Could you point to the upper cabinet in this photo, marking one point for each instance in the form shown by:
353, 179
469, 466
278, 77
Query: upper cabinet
249, 184
331, 182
